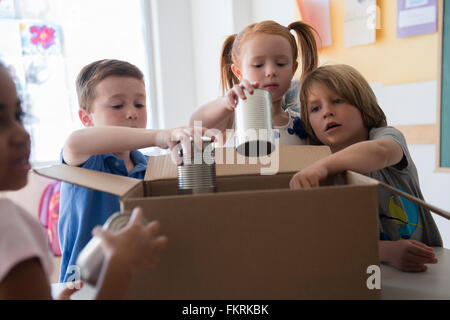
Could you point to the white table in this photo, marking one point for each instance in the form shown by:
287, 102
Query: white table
432, 284
395, 285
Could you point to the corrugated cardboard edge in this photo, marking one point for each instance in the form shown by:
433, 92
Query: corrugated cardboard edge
230, 163
419, 202
357, 178
101, 181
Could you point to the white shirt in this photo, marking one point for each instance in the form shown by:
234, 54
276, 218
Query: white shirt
21, 238
287, 132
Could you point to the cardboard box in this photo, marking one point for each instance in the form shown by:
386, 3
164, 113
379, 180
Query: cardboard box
255, 238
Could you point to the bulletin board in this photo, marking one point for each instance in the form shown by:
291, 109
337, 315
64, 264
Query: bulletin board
389, 60
443, 146
394, 61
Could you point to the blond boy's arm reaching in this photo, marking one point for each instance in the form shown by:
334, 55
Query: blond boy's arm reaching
362, 157
86, 142
365, 157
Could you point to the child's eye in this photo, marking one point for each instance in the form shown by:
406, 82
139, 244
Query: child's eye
338, 101
281, 64
19, 116
117, 106
257, 65
315, 109
139, 106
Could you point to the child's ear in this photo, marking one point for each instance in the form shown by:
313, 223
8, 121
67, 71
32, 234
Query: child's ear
236, 71
85, 118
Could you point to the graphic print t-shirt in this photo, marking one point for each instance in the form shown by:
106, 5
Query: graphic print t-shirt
399, 218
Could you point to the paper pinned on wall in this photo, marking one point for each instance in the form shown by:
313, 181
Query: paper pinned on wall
416, 17
360, 22
7, 10
40, 38
317, 14
10, 45
34, 9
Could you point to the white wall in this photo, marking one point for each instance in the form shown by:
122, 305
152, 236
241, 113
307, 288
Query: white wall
204, 24
173, 61
210, 27
188, 36
408, 104
281, 11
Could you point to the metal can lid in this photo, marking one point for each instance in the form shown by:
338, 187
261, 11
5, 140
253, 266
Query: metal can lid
118, 221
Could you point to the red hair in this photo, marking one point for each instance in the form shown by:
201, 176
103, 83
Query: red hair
304, 45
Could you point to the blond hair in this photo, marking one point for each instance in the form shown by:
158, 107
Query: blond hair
92, 74
349, 85
305, 45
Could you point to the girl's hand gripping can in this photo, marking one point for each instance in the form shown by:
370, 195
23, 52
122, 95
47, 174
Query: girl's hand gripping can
254, 135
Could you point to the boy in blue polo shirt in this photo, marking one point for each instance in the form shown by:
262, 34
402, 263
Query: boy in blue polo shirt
112, 100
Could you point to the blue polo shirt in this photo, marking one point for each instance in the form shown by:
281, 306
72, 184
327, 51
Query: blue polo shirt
82, 209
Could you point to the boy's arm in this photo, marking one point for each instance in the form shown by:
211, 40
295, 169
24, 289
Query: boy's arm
84, 143
362, 157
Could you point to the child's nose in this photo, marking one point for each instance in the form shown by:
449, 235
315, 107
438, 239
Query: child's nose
20, 136
131, 112
327, 111
271, 71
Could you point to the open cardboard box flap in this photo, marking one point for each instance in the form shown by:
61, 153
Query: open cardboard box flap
101, 181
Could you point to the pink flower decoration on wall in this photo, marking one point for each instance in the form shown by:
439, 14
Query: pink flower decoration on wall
43, 35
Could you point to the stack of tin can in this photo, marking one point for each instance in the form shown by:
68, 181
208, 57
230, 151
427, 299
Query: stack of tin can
197, 174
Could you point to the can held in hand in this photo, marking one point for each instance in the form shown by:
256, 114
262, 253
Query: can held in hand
254, 135
90, 259
197, 173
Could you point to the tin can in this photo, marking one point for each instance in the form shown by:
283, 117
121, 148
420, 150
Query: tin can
254, 135
197, 173
90, 259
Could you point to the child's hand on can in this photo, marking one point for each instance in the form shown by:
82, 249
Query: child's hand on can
137, 245
237, 92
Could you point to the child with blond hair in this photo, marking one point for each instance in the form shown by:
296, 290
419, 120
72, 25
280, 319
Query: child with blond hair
341, 111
